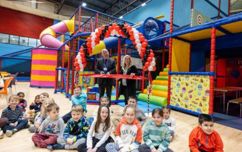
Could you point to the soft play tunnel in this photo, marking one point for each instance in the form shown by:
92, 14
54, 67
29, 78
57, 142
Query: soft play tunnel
108, 43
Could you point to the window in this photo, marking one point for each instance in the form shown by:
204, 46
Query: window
4, 38
24, 41
14, 39
32, 42
38, 43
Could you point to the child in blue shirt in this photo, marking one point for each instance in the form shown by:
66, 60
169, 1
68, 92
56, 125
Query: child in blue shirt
75, 132
78, 98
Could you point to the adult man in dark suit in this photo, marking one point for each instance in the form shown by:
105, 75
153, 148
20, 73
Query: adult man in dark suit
105, 65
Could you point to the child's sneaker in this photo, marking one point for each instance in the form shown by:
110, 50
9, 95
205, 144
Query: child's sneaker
50, 147
14, 130
1, 134
9, 133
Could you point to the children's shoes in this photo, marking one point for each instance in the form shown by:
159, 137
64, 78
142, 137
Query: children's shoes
9, 133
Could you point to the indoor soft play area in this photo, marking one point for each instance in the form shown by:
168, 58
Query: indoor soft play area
187, 54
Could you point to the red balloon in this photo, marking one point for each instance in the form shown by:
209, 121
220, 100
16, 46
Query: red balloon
141, 55
144, 45
143, 49
154, 68
142, 38
151, 55
149, 59
132, 38
147, 64
129, 28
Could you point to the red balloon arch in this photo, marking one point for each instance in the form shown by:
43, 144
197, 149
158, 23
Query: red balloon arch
123, 30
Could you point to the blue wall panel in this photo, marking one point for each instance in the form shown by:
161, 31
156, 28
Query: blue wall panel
182, 13
152, 9
13, 65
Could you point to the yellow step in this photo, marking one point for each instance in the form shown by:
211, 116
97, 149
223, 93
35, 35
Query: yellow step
160, 82
163, 74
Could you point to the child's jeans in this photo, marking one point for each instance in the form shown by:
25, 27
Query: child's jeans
43, 140
21, 125
114, 147
83, 147
72, 146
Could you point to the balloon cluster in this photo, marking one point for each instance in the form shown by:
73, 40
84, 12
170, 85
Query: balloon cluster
150, 63
114, 29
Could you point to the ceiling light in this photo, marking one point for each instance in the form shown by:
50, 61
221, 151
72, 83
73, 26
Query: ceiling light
120, 17
143, 4
84, 4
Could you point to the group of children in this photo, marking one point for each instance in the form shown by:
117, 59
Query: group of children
127, 131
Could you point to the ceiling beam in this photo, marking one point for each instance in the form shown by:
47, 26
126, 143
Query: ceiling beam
124, 7
60, 6
112, 5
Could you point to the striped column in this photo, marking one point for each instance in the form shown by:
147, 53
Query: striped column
43, 67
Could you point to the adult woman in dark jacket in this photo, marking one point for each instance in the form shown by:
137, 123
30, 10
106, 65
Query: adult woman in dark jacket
128, 86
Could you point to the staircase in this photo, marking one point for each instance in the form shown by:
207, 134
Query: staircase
159, 90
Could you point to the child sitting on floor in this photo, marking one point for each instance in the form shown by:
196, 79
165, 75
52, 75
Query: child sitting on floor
40, 117
169, 121
36, 105
44, 96
34, 108
156, 134
75, 132
22, 102
128, 133
78, 98
51, 128
140, 115
99, 133
14, 114
204, 138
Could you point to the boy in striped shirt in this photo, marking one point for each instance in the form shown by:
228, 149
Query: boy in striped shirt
156, 134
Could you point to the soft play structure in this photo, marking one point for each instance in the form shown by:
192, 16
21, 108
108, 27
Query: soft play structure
44, 60
190, 81
159, 91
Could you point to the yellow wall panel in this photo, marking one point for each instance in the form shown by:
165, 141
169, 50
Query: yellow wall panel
180, 56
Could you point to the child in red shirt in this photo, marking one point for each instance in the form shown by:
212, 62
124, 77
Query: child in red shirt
204, 138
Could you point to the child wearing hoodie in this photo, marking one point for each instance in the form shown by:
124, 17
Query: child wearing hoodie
204, 138
128, 133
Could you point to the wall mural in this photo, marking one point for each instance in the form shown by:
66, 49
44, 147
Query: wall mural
190, 92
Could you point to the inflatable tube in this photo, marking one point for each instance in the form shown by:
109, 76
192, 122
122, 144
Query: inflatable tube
162, 78
160, 82
163, 74
166, 70
158, 87
108, 43
48, 37
159, 101
157, 93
